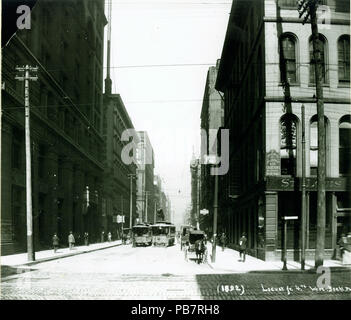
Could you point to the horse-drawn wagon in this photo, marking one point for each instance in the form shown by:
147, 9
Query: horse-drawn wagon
195, 248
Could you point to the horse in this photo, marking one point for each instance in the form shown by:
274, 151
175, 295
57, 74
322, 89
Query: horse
199, 250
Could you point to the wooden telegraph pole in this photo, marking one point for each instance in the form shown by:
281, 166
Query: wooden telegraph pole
308, 8
131, 176
215, 212
26, 78
303, 191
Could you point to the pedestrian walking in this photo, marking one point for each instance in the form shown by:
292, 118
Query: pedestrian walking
223, 240
205, 239
55, 242
109, 237
71, 240
86, 238
79, 240
242, 247
342, 245
102, 236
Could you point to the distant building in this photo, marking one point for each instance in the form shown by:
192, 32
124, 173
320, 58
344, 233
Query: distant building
116, 180
266, 73
212, 118
162, 201
145, 178
66, 112
195, 170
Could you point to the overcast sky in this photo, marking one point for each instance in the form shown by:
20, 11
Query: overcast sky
166, 101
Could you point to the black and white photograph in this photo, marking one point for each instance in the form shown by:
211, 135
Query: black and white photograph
191, 151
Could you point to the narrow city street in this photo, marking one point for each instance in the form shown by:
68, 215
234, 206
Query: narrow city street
141, 273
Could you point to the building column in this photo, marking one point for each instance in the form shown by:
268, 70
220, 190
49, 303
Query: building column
7, 225
334, 223
271, 210
35, 195
52, 194
101, 220
307, 220
78, 197
67, 178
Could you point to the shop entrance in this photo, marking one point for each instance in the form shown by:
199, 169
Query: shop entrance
289, 204
343, 215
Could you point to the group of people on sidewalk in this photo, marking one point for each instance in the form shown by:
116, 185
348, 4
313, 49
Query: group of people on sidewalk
345, 248
344, 244
242, 245
72, 241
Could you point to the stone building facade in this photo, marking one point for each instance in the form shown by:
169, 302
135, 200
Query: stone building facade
66, 105
267, 46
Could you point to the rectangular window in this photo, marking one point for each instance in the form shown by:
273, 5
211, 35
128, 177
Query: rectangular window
345, 148
344, 59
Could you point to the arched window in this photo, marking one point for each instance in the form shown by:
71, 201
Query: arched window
344, 58
288, 47
322, 44
345, 146
288, 123
314, 144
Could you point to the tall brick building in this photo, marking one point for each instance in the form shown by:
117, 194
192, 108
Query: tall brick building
266, 45
66, 43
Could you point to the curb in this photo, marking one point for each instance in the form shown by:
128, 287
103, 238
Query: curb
342, 268
312, 270
31, 263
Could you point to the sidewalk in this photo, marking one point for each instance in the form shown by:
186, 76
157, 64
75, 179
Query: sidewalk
228, 261
47, 255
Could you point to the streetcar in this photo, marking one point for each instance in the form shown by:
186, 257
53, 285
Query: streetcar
142, 235
163, 234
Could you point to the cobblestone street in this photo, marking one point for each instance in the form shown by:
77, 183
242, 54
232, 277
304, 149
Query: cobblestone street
124, 272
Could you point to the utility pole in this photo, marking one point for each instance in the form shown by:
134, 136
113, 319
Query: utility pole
146, 203
215, 209
198, 196
309, 9
303, 190
108, 81
122, 216
131, 176
155, 211
26, 78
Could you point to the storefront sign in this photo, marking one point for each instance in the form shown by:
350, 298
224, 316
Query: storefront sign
291, 184
272, 163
